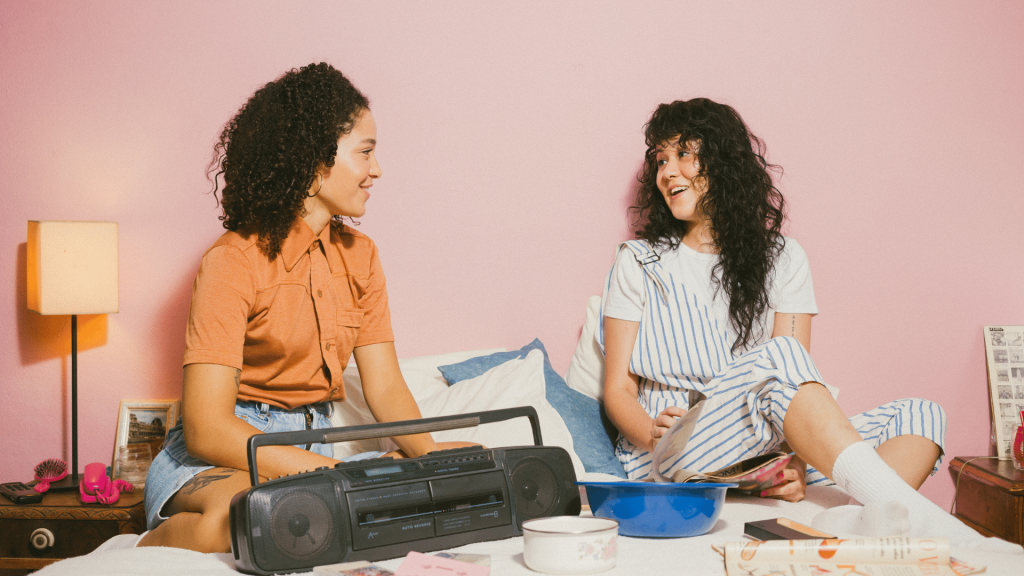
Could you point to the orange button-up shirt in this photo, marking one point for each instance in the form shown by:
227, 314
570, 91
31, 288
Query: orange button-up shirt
289, 324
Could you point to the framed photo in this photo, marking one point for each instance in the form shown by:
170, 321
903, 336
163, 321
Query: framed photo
143, 422
1004, 361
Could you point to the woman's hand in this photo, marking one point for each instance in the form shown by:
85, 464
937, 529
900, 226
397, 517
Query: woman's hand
388, 396
450, 445
214, 434
440, 446
791, 483
663, 422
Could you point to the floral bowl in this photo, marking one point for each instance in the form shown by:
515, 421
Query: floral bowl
570, 544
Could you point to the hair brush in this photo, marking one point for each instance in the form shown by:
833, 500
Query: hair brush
49, 470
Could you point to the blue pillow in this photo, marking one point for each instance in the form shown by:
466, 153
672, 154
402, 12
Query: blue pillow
583, 415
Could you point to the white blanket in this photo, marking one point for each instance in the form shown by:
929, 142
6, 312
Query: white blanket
691, 556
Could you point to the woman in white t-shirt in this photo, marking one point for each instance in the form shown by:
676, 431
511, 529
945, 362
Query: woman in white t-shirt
711, 300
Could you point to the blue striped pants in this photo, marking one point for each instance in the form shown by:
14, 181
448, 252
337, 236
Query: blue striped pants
747, 404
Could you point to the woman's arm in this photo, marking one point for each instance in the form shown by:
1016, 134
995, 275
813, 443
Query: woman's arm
214, 434
792, 485
621, 388
796, 325
388, 395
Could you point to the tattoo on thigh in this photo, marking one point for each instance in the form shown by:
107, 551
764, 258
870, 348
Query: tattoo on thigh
202, 481
792, 326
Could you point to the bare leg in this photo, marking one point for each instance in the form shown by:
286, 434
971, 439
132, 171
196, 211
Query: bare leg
820, 433
816, 429
912, 457
198, 514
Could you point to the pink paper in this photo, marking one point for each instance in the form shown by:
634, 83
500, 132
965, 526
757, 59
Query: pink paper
417, 564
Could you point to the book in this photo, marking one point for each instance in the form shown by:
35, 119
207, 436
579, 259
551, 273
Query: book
893, 556
478, 559
782, 529
753, 475
418, 564
358, 568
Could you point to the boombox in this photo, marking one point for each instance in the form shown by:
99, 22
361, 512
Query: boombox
385, 508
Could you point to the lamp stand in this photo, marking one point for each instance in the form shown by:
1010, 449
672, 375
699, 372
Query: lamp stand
70, 483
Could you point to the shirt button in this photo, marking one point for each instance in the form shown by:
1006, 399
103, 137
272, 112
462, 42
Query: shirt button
319, 294
328, 346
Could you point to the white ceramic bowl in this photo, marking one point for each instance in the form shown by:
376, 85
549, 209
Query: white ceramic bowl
570, 544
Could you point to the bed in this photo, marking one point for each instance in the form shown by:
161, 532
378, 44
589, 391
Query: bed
569, 412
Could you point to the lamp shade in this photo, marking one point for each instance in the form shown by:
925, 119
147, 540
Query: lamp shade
72, 267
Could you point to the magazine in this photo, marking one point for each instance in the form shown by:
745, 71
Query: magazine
753, 474
1004, 362
894, 556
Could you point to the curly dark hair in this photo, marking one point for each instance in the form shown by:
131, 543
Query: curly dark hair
270, 151
744, 208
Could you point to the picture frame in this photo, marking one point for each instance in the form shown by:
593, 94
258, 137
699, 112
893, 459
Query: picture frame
143, 421
1004, 363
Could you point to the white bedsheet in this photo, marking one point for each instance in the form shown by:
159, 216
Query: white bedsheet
691, 556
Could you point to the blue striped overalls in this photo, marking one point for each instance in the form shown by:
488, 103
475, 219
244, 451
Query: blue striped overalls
682, 352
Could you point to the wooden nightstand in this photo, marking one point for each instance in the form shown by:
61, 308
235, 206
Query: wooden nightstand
77, 528
990, 497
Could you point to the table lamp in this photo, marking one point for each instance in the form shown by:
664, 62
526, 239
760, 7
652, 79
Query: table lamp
72, 269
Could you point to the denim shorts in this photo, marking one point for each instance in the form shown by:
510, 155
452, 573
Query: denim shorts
173, 467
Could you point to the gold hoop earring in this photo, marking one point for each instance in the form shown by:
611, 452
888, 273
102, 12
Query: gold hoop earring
319, 187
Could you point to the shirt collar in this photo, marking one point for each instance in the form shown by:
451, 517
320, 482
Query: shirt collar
299, 240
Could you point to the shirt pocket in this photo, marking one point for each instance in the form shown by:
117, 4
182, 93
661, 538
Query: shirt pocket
349, 323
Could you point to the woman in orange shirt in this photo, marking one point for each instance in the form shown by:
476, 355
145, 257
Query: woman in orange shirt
280, 303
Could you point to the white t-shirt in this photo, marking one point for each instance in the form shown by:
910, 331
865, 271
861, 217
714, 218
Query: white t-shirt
792, 291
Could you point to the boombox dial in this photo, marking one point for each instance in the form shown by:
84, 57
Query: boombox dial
385, 508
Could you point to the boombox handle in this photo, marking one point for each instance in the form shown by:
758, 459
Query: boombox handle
387, 429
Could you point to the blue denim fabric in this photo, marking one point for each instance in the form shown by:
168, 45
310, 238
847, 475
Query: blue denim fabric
583, 416
173, 467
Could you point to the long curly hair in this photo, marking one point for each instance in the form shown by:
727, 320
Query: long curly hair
269, 152
743, 206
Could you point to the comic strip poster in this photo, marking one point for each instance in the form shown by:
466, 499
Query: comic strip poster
1004, 352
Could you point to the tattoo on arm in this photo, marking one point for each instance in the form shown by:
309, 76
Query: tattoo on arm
238, 378
792, 326
203, 480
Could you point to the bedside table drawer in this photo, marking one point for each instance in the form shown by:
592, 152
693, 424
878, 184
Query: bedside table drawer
77, 528
990, 496
70, 537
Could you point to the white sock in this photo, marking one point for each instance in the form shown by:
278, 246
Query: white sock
862, 473
874, 519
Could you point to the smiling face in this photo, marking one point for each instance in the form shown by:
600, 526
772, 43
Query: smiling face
346, 185
679, 180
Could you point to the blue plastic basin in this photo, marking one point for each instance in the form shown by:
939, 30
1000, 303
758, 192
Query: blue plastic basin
658, 510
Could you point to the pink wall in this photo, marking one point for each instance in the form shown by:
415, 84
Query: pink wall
510, 136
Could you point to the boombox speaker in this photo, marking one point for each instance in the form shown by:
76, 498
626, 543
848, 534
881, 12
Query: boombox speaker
385, 508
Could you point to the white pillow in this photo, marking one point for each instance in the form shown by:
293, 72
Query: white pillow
586, 371
513, 383
420, 374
